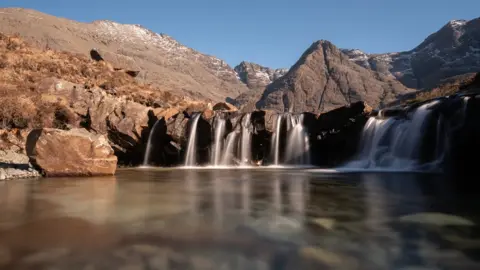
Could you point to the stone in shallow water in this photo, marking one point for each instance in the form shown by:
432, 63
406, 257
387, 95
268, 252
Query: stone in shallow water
321, 255
46, 256
438, 219
326, 223
201, 263
132, 267
5, 255
147, 249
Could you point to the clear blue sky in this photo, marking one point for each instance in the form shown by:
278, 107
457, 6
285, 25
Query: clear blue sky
272, 32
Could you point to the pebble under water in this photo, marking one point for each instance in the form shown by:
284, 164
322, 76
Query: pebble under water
238, 219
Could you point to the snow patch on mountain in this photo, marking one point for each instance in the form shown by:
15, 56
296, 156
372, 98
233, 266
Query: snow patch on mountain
452, 50
113, 32
257, 76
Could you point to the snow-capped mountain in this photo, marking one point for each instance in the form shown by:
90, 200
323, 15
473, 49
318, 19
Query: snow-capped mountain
161, 60
453, 50
256, 76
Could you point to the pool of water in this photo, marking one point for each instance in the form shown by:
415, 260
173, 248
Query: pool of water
269, 218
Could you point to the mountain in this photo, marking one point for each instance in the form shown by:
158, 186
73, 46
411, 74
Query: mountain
256, 76
159, 59
323, 79
451, 51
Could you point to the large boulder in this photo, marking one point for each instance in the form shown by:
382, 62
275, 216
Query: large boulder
70, 153
124, 122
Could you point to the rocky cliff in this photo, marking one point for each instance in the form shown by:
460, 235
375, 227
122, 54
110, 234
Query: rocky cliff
160, 59
451, 51
323, 79
256, 76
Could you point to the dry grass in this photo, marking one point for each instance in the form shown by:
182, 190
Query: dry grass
23, 67
457, 84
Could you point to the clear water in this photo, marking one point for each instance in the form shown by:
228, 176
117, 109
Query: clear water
238, 219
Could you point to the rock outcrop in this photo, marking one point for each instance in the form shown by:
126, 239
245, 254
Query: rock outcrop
14, 163
336, 134
453, 50
71, 153
323, 79
256, 76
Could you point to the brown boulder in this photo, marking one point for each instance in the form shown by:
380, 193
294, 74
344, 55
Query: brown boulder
165, 113
224, 106
208, 114
70, 153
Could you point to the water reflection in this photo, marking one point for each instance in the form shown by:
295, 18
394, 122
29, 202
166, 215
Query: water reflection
246, 219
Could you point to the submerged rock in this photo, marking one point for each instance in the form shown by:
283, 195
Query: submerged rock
326, 223
5, 256
438, 219
71, 153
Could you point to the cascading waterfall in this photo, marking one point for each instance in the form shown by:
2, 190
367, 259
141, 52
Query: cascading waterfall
276, 145
297, 144
246, 146
191, 158
217, 147
146, 157
229, 152
298, 149
393, 143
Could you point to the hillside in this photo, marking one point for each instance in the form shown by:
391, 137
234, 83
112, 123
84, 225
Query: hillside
161, 60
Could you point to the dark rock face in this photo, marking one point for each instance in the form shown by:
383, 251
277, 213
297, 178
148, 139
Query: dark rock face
324, 79
465, 145
453, 50
336, 134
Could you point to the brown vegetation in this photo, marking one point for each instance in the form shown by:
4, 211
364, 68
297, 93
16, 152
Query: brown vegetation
23, 67
459, 84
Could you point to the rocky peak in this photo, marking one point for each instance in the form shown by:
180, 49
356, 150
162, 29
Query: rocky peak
256, 76
324, 78
359, 57
452, 50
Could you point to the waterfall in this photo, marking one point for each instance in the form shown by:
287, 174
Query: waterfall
297, 143
298, 148
229, 153
276, 141
219, 133
146, 157
393, 143
246, 146
191, 158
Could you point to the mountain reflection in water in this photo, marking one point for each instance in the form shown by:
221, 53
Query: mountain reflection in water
238, 219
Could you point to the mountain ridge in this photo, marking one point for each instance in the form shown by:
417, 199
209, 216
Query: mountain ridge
161, 60
452, 50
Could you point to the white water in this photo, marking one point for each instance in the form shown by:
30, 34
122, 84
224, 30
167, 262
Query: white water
191, 158
219, 133
393, 143
246, 146
298, 146
276, 140
229, 153
146, 157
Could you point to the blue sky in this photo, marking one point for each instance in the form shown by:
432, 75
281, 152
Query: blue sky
272, 32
